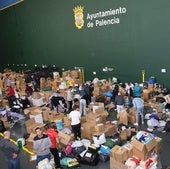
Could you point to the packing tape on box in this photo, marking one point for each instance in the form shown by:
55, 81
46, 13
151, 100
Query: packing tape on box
24, 148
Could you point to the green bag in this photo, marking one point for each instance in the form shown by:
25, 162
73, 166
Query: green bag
110, 143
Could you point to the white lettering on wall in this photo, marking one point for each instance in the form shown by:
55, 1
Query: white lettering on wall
103, 18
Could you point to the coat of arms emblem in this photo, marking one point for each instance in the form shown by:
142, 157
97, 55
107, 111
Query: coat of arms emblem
78, 15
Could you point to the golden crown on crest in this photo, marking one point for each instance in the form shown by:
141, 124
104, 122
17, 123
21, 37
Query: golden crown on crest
78, 9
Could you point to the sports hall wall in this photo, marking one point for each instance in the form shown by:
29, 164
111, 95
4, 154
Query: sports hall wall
128, 36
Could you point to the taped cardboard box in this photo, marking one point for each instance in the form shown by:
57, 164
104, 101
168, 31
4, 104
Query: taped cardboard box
112, 151
129, 148
120, 154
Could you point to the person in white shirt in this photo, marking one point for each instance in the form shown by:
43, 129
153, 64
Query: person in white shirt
75, 117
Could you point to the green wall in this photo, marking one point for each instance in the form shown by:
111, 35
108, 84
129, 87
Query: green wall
44, 33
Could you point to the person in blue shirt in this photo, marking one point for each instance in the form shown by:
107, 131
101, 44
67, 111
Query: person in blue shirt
138, 105
137, 90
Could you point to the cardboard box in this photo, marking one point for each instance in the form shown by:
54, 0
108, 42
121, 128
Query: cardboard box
129, 148
120, 154
58, 117
123, 117
38, 118
52, 116
5, 103
95, 106
37, 102
87, 129
102, 112
123, 135
65, 138
158, 147
30, 109
112, 151
95, 118
29, 142
31, 125
143, 150
83, 119
131, 119
146, 95
66, 121
110, 130
36, 95
117, 165
99, 128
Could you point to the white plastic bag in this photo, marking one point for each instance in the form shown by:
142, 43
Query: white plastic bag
44, 164
98, 140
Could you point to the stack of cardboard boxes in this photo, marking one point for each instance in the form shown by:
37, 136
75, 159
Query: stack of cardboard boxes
96, 122
136, 154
